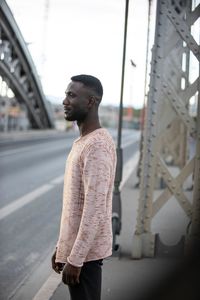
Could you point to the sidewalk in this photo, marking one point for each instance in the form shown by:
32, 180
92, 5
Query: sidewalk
123, 277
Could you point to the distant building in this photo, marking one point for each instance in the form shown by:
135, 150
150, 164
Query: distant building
58, 116
108, 116
13, 116
131, 118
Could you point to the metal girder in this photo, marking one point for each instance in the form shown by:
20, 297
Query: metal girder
168, 121
184, 31
196, 197
18, 70
179, 107
194, 15
174, 187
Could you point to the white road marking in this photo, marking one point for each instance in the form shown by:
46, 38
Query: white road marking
129, 142
28, 198
130, 139
30, 148
57, 180
48, 287
128, 168
15, 151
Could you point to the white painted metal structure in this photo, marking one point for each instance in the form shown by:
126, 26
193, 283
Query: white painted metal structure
18, 71
169, 122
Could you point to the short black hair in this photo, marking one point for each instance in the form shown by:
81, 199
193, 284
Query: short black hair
91, 82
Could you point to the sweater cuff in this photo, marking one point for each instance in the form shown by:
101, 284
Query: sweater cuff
74, 264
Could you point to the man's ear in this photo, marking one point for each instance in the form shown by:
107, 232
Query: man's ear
92, 101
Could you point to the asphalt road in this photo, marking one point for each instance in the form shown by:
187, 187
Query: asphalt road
31, 180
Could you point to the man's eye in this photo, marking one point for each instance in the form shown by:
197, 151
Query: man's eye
70, 94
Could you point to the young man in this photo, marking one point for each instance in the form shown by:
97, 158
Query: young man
86, 230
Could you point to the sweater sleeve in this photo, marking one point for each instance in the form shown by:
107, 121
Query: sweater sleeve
96, 177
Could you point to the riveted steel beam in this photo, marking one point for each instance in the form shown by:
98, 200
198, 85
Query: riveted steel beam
18, 70
184, 31
169, 123
194, 15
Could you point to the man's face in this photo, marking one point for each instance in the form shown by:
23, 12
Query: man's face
76, 102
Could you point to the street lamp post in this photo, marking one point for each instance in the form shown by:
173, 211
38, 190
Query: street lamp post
116, 215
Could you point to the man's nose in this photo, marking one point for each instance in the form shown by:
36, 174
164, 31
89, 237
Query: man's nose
65, 101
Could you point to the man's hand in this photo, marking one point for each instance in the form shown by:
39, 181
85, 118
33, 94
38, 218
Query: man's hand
57, 267
70, 275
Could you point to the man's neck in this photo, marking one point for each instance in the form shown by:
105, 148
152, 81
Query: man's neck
87, 127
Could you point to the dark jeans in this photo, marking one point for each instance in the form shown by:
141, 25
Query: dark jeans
89, 287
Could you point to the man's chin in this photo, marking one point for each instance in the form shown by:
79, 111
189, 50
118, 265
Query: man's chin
69, 118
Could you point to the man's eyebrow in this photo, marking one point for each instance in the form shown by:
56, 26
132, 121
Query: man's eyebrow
67, 92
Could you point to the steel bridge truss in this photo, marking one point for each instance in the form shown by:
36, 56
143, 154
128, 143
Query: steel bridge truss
18, 71
169, 123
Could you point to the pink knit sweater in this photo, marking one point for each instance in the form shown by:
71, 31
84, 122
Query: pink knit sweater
86, 228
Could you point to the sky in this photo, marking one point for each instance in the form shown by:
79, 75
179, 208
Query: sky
71, 37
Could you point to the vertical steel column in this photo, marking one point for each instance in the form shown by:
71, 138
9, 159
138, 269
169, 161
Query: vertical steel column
143, 242
167, 117
193, 238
